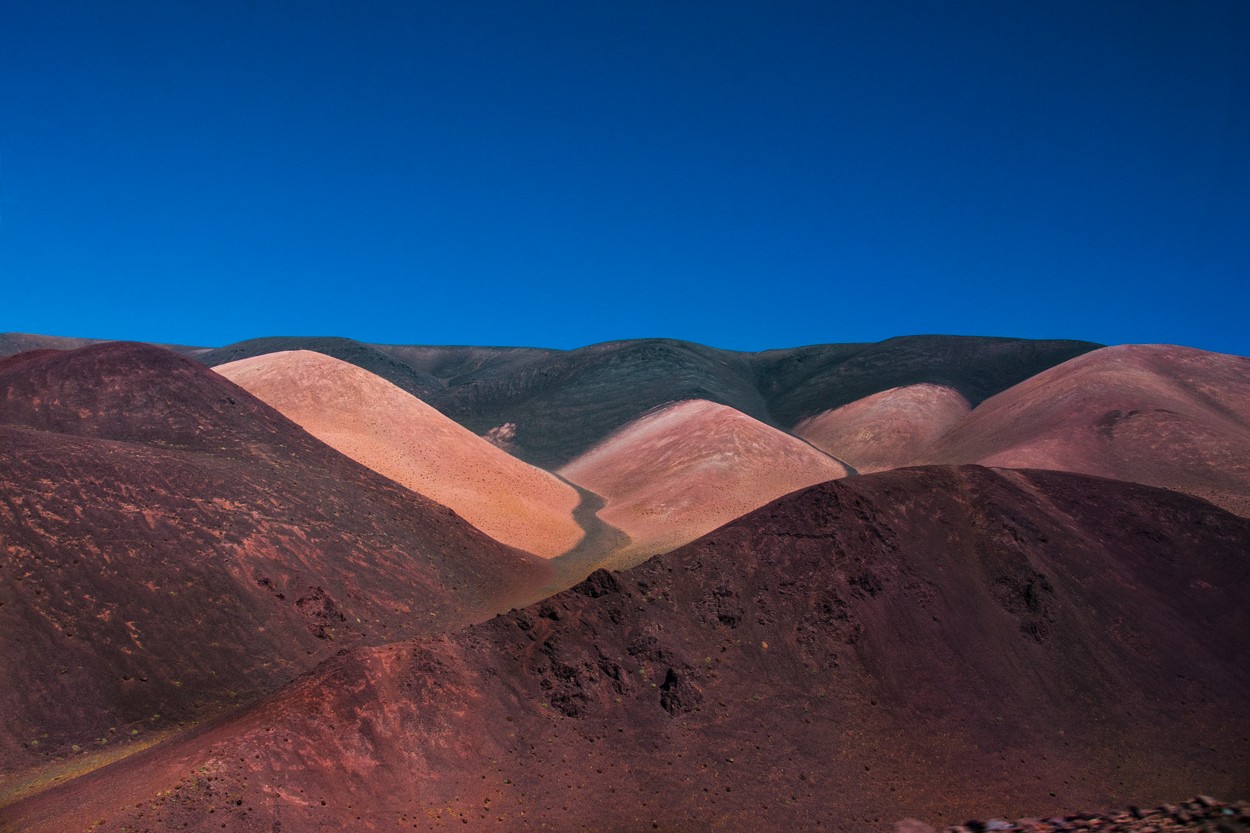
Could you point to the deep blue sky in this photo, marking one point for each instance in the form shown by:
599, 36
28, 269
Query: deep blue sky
744, 174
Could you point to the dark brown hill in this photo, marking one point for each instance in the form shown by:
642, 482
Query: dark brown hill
172, 546
939, 643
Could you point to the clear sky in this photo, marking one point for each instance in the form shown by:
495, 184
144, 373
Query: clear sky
552, 173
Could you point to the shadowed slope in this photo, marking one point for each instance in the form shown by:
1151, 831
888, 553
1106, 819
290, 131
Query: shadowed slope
937, 643
1156, 414
367, 356
401, 437
171, 546
805, 381
555, 408
562, 404
885, 430
457, 365
686, 469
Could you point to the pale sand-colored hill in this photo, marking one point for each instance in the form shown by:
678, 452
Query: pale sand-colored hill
399, 436
687, 468
1156, 414
888, 429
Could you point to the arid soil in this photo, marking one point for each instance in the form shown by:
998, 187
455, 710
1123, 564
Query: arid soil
935, 643
687, 468
554, 405
399, 436
1156, 414
888, 429
170, 547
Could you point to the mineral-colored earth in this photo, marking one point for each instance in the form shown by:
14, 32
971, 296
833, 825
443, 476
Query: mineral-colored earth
399, 436
934, 643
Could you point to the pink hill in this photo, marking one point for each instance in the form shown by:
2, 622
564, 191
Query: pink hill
399, 436
888, 429
1155, 414
689, 467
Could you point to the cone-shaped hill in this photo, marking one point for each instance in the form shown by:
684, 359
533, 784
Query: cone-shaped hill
687, 468
888, 429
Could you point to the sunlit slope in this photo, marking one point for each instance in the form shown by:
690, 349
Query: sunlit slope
887, 429
689, 467
1158, 414
397, 435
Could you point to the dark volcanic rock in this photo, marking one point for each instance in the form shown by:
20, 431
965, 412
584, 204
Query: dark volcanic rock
934, 643
170, 546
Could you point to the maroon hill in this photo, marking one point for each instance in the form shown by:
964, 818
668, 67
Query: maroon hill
172, 546
941, 642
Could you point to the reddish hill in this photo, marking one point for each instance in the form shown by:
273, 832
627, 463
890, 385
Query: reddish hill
173, 546
685, 469
888, 429
940, 643
1150, 413
397, 435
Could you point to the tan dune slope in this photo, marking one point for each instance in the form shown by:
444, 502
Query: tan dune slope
399, 436
888, 429
683, 470
1156, 414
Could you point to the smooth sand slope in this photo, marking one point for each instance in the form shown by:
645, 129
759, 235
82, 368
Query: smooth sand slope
689, 467
1156, 414
397, 435
888, 429
930, 642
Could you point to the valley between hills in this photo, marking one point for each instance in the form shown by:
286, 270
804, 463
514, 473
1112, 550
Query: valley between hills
307, 583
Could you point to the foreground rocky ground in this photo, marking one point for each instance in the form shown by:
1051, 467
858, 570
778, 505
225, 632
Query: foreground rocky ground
1201, 813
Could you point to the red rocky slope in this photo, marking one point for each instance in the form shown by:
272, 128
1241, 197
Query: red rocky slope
937, 643
170, 546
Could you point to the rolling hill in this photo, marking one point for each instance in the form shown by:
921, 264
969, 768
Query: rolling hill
173, 547
887, 429
1156, 414
941, 643
399, 436
685, 469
